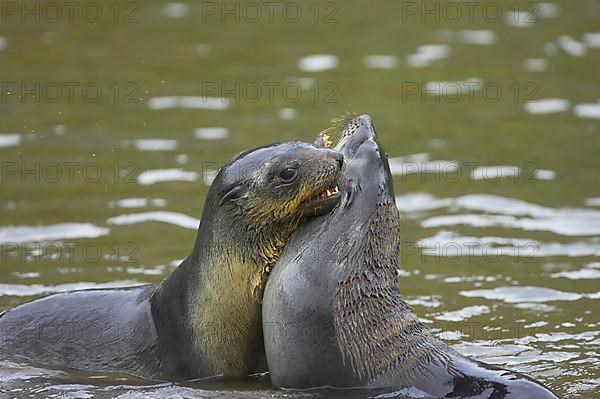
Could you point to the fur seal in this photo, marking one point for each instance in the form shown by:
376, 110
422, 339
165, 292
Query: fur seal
205, 318
333, 315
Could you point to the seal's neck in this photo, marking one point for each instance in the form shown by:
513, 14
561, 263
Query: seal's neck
223, 280
376, 329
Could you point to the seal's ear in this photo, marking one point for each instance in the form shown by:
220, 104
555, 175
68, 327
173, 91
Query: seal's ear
233, 193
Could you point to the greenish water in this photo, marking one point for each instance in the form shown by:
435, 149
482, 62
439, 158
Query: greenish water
69, 153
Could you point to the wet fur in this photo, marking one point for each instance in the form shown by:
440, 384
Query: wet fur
377, 331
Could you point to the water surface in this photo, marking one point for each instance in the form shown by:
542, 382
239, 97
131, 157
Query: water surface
492, 126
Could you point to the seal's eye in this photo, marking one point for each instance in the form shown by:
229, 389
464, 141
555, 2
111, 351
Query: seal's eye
288, 174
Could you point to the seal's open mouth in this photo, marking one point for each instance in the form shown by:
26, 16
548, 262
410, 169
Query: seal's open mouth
322, 203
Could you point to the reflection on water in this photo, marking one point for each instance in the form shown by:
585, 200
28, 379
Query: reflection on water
499, 259
156, 144
381, 61
425, 55
37, 289
21, 234
547, 106
204, 102
9, 140
318, 62
137, 202
519, 294
178, 219
153, 176
211, 133
452, 244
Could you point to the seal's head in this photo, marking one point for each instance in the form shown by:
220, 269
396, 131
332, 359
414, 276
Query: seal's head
280, 183
367, 169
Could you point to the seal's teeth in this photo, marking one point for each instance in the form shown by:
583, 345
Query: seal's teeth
331, 191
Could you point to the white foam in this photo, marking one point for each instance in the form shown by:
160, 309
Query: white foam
176, 10
547, 106
37, 289
571, 46
592, 40
520, 19
492, 172
194, 102
451, 244
426, 54
318, 62
587, 110
175, 218
287, 114
3, 43
10, 140
20, 234
464, 313
153, 176
536, 64
479, 37
381, 61
211, 133
518, 294
156, 144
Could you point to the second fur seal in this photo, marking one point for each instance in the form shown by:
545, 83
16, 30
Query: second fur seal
333, 315
205, 318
